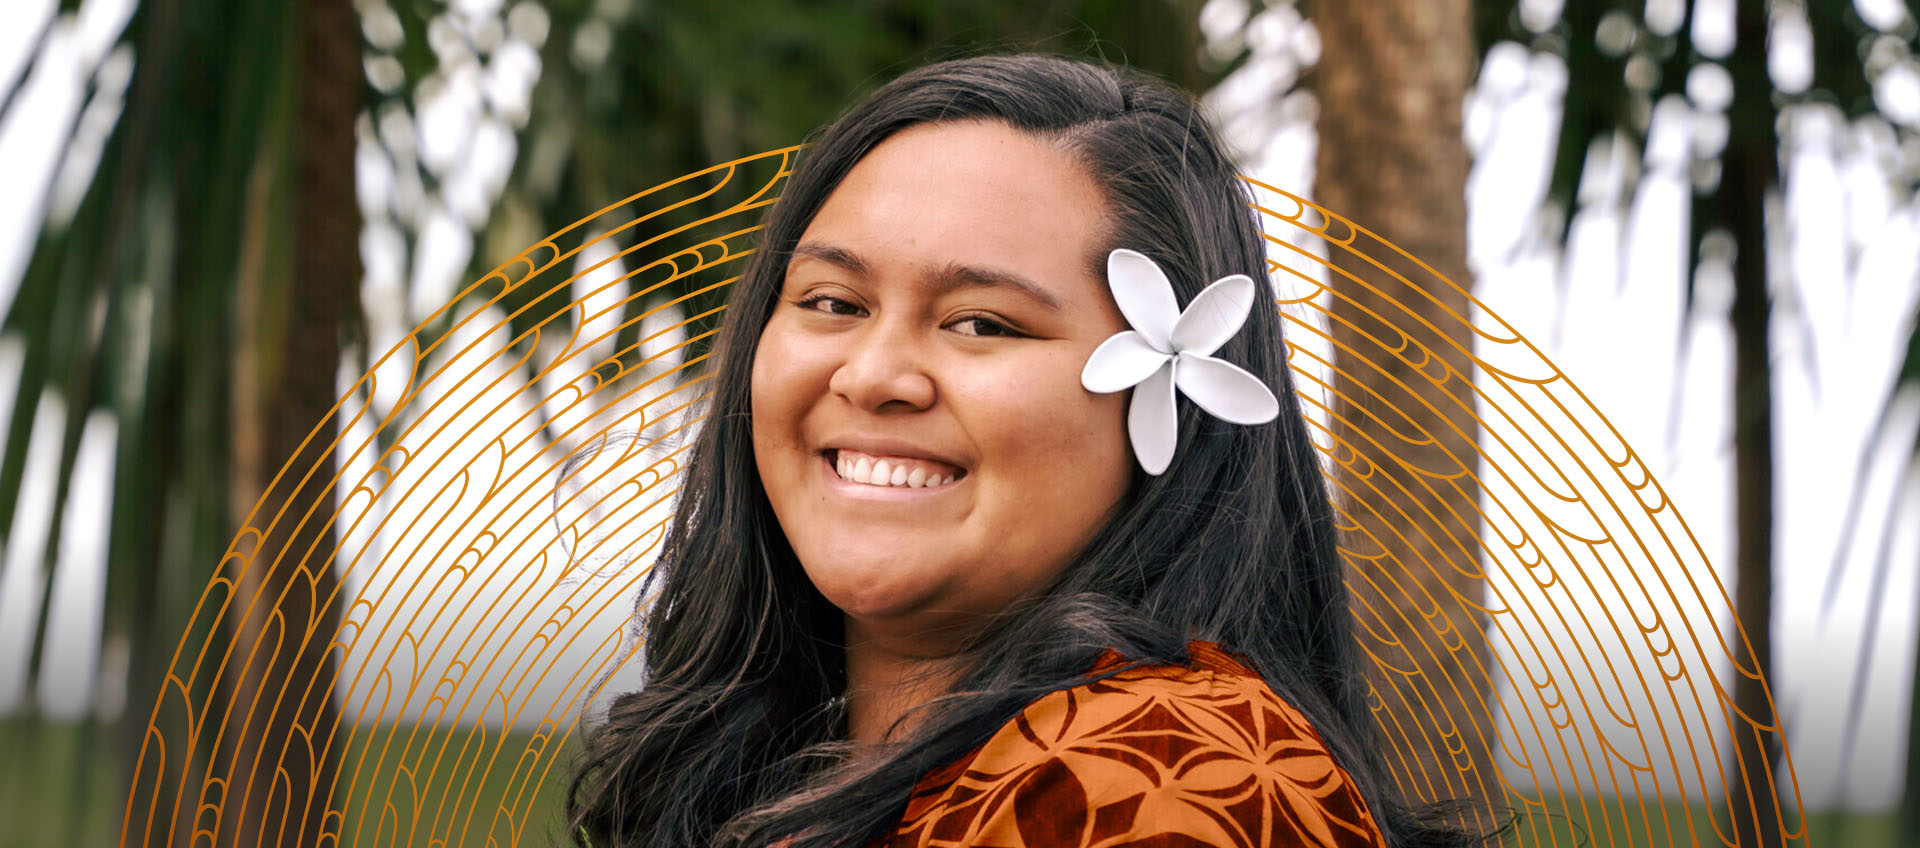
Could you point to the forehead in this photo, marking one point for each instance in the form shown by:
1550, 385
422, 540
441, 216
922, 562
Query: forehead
970, 193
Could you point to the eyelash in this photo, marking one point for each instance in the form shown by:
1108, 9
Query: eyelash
1003, 332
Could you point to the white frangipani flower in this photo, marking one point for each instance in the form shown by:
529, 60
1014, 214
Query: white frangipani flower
1168, 348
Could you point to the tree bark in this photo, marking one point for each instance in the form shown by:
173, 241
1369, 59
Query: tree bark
1749, 168
1390, 83
284, 758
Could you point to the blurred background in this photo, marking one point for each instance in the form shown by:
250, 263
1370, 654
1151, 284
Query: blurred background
223, 214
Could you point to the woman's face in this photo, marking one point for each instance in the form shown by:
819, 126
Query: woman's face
932, 327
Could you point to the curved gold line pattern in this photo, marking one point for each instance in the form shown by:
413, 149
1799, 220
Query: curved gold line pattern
537, 468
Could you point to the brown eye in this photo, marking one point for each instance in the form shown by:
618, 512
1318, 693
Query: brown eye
987, 327
808, 304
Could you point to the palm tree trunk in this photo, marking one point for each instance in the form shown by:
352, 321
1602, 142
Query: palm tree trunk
1390, 82
284, 760
1749, 169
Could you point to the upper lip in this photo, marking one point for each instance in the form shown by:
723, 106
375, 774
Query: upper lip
879, 446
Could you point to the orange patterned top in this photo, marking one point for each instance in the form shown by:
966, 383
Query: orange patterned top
1161, 756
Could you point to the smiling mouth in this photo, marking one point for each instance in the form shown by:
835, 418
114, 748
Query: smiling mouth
884, 474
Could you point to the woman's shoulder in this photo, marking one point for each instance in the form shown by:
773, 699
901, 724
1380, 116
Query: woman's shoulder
1204, 751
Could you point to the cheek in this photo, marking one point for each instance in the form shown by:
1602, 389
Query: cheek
760, 388
774, 399
1053, 418
1103, 443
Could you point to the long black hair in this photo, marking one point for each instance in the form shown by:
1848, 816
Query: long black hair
738, 736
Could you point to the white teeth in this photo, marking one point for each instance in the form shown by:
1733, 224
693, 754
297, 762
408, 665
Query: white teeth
884, 473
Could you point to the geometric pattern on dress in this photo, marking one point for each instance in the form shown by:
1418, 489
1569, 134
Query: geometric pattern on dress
1162, 756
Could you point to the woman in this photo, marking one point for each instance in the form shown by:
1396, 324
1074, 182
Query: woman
936, 578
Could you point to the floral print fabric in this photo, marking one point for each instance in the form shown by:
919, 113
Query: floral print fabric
1166, 756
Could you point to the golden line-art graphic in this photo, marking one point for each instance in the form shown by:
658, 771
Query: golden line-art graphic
1545, 632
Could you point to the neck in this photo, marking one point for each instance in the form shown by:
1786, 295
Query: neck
887, 677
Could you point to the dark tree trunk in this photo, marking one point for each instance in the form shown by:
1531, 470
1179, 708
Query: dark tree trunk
284, 764
1749, 168
1390, 83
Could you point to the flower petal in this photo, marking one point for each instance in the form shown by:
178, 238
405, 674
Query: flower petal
1144, 295
1214, 315
1120, 362
1226, 390
1150, 419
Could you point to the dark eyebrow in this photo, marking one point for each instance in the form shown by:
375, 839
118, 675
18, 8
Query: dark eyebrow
834, 255
954, 276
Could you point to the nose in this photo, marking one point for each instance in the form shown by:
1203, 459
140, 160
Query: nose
885, 366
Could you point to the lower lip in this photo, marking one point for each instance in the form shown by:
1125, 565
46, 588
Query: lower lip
885, 494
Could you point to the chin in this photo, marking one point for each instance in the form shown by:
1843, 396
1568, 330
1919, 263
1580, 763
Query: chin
869, 600
875, 590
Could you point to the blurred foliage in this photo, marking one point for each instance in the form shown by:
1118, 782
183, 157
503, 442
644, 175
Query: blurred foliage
70, 801
163, 303
1623, 59
128, 307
